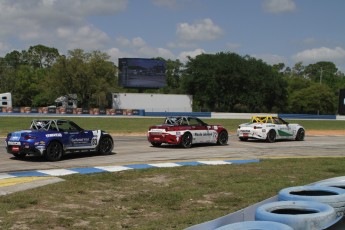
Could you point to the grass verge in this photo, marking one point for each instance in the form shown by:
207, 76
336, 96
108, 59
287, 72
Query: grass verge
158, 198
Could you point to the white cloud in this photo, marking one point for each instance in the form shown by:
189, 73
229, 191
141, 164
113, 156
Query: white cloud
88, 38
310, 56
320, 54
47, 21
138, 42
125, 42
278, 6
137, 48
183, 55
203, 30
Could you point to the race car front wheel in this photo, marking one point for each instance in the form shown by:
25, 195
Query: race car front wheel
186, 141
54, 151
105, 145
300, 135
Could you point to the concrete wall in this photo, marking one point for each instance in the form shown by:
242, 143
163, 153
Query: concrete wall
153, 102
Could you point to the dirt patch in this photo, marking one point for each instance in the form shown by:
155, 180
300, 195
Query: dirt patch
325, 132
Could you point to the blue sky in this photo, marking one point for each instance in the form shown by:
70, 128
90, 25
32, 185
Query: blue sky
275, 31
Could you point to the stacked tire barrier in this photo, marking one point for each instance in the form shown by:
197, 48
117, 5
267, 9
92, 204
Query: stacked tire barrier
320, 205
316, 206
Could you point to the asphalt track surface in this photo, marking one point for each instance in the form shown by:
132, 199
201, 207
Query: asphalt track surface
136, 149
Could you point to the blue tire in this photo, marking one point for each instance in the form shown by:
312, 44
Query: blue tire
332, 196
300, 215
257, 225
338, 182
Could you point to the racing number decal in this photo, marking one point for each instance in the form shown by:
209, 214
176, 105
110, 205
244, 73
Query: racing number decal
94, 141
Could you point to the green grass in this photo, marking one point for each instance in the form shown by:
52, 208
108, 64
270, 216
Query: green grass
140, 125
158, 198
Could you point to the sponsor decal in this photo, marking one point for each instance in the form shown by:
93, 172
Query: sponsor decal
202, 134
178, 134
54, 135
40, 143
245, 131
80, 140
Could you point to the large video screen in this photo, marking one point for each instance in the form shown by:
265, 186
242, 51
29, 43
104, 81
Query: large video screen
141, 73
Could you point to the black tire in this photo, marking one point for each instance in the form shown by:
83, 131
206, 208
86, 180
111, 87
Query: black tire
223, 138
243, 139
19, 155
156, 144
105, 145
187, 140
300, 135
54, 151
271, 136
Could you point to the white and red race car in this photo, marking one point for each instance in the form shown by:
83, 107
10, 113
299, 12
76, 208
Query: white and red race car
270, 128
185, 131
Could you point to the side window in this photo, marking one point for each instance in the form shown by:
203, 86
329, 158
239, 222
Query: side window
65, 126
185, 121
53, 126
194, 122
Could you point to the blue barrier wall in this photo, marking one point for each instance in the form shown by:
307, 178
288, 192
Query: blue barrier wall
307, 116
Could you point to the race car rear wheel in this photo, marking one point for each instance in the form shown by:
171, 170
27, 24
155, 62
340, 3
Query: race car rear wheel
186, 141
223, 137
156, 144
105, 145
300, 135
271, 136
54, 151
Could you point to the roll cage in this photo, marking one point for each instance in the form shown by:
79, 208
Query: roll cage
268, 119
55, 125
184, 121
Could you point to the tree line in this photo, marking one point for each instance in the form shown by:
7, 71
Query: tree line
221, 82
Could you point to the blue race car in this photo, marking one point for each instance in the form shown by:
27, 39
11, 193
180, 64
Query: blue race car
54, 138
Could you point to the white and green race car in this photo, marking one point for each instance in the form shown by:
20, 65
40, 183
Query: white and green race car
270, 128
